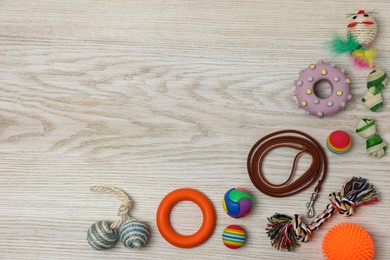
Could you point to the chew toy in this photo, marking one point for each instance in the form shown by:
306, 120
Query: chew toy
101, 235
237, 202
339, 142
164, 225
361, 32
306, 94
376, 81
287, 232
133, 233
348, 241
234, 236
375, 146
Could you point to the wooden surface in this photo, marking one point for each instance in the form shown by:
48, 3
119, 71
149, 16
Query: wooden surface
150, 96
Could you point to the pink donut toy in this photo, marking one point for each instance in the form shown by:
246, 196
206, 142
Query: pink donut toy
305, 89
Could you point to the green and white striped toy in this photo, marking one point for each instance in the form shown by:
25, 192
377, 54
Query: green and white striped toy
375, 146
376, 81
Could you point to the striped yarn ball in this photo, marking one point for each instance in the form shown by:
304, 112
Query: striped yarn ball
134, 234
100, 236
234, 236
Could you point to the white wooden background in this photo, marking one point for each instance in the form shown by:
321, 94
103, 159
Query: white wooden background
150, 96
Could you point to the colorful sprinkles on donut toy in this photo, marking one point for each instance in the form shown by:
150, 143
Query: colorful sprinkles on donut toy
305, 89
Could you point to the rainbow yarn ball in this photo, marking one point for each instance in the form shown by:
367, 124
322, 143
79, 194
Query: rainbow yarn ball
237, 202
234, 236
348, 241
339, 142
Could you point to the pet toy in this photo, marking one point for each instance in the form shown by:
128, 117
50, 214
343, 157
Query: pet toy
237, 202
375, 146
164, 210
348, 241
339, 142
376, 81
234, 236
300, 141
361, 32
306, 94
287, 232
132, 233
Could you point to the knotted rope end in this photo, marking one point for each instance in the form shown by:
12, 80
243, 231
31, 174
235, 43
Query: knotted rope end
280, 231
360, 191
355, 192
125, 207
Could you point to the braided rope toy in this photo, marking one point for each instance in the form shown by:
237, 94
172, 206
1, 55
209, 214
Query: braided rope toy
133, 233
375, 146
287, 232
376, 81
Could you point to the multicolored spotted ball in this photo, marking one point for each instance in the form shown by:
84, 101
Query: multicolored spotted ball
237, 202
234, 236
339, 142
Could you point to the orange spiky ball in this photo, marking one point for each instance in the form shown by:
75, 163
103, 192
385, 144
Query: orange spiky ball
348, 241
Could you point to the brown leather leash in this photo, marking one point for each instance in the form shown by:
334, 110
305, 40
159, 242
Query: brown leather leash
300, 141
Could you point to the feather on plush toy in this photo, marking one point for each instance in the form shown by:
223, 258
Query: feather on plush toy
361, 32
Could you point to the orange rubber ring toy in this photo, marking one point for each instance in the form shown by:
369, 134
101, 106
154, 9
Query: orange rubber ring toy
164, 225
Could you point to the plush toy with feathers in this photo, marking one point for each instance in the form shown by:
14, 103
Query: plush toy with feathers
361, 32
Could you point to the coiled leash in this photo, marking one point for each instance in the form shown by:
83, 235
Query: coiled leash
300, 141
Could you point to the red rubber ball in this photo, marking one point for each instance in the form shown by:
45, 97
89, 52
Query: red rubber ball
339, 139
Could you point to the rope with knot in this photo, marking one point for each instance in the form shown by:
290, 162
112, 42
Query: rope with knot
337, 203
124, 208
286, 232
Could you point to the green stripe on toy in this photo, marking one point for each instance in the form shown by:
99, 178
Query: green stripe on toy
375, 146
376, 77
376, 81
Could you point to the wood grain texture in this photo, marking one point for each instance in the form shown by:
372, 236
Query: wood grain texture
150, 96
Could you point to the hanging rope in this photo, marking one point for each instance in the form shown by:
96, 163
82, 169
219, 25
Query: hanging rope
125, 207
